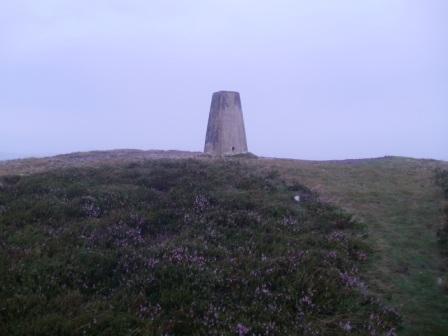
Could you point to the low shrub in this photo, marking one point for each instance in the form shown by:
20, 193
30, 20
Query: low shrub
441, 177
183, 247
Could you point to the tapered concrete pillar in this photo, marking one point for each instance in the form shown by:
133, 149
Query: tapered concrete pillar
225, 131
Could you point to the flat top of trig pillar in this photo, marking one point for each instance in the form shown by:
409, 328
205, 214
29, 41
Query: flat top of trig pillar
226, 92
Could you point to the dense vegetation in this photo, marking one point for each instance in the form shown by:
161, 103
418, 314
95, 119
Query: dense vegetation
442, 181
178, 248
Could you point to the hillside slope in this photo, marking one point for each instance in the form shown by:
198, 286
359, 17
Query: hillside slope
180, 247
402, 207
396, 199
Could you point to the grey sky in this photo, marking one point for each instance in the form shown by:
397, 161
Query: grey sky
319, 79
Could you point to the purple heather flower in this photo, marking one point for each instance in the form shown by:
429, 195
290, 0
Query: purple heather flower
346, 326
241, 329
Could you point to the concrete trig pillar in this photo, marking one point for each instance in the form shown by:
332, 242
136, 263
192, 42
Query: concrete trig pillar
225, 131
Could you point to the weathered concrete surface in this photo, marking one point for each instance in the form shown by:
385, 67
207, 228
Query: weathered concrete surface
225, 131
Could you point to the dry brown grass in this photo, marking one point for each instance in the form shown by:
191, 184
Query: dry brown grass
88, 159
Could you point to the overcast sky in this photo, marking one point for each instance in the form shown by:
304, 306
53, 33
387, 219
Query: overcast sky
318, 79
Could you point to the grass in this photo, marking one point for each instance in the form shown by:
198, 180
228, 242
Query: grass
402, 207
179, 248
395, 198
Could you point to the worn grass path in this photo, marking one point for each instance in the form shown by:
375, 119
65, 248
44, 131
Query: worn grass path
397, 199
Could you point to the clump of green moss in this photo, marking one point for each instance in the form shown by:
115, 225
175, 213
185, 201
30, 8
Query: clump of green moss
183, 247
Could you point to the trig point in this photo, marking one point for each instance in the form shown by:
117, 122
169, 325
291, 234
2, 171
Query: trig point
225, 130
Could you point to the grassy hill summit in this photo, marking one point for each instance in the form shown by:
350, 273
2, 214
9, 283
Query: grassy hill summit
176, 243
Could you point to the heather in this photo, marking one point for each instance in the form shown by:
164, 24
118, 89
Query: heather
180, 247
442, 182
